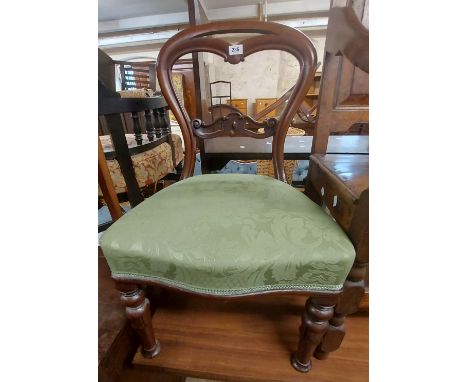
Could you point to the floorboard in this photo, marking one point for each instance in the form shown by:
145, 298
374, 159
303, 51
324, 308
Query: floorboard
247, 340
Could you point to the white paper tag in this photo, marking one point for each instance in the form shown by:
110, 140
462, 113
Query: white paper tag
236, 49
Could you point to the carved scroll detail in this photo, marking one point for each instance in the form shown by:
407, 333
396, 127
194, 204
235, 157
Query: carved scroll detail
234, 125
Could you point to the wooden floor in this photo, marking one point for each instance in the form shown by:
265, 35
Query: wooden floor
247, 340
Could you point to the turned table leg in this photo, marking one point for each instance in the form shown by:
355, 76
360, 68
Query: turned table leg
332, 339
137, 308
314, 324
353, 290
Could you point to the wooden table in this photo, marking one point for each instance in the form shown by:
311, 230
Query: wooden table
218, 151
247, 340
351, 170
341, 182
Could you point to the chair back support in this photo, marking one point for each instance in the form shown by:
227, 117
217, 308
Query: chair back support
272, 36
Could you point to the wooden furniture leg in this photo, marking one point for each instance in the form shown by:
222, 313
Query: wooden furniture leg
314, 324
137, 308
353, 291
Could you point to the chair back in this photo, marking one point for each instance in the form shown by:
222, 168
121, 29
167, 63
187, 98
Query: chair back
271, 36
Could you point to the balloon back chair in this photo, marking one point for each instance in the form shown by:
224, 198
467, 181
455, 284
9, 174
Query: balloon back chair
232, 235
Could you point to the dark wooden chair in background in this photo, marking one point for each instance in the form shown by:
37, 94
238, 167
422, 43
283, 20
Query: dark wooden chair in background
232, 235
117, 341
340, 182
151, 128
343, 105
137, 74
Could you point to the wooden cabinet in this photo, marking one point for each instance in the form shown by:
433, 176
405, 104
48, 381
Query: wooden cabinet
344, 90
263, 103
314, 89
241, 104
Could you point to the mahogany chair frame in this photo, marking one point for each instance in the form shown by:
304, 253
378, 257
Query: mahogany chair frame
319, 308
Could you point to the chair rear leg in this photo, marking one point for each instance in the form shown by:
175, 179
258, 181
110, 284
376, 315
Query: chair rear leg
137, 308
314, 324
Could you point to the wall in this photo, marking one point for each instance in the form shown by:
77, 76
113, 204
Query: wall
267, 74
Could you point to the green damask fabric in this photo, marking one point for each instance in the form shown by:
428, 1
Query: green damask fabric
230, 234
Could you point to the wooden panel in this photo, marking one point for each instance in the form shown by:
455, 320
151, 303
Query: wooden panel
144, 375
248, 340
241, 104
352, 170
344, 90
262, 103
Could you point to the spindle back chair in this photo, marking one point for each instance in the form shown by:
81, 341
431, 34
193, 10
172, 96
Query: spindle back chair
157, 128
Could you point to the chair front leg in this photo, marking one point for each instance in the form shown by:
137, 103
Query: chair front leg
137, 308
314, 324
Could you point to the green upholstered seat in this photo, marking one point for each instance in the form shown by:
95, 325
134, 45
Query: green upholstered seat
230, 234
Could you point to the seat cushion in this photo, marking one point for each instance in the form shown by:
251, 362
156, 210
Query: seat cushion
229, 234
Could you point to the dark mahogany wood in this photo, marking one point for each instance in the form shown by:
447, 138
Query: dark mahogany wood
341, 184
247, 340
272, 36
344, 90
234, 124
137, 309
314, 324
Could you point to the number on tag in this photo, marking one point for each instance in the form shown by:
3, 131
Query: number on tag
236, 49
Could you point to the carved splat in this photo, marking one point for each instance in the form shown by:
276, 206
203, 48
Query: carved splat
234, 124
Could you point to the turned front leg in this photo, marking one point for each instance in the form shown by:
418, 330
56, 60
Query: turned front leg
314, 324
137, 308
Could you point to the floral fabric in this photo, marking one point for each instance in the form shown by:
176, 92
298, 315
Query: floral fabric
150, 166
230, 234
